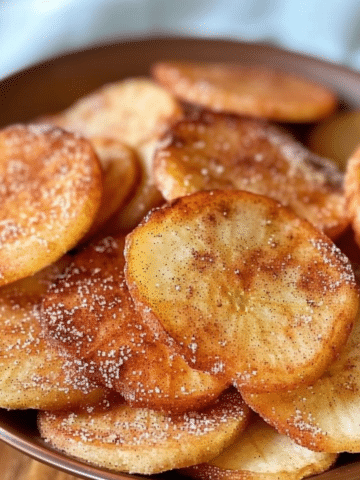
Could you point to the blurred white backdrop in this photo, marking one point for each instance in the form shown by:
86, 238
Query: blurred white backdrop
33, 30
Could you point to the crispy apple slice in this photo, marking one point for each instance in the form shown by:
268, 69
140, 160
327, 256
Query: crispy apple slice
145, 197
144, 441
352, 191
32, 373
120, 167
337, 137
228, 152
260, 453
254, 90
244, 286
132, 111
50, 191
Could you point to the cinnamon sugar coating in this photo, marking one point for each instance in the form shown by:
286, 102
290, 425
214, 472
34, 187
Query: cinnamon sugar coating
32, 373
144, 441
50, 190
88, 311
261, 453
228, 152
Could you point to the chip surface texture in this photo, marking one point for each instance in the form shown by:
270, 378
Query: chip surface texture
260, 453
50, 191
214, 151
143, 441
251, 90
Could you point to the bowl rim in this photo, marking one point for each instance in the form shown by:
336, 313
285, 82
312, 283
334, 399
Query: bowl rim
115, 41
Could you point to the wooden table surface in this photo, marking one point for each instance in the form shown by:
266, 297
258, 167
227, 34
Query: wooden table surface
15, 465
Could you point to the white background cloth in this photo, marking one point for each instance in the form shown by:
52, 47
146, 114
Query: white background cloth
33, 30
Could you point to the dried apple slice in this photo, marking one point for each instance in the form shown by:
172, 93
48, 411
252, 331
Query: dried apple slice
50, 191
88, 311
337, 137
225, 152
260, 453
145, 197
254, 90
352, 191
144, 441
32, 373
120, 167
244, 286
132, 111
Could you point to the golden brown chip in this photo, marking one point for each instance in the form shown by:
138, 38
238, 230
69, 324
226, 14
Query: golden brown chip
324, 416
352, 191
50, 191
244, 287
132, 111
120, 168
228, 152
347, 244
144, 441
260, 453
32, 374
90, 313
337, 137
146, 195
255, 90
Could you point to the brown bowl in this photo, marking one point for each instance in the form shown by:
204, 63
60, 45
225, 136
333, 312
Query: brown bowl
53, 85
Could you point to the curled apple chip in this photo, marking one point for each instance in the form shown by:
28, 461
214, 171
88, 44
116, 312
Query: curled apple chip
261, 453
32, 373
145, 196
244, 286
132, 111
50, 191
88, 311
254, 90
143, 441
352, 191
120, 168
337, 137
217, 151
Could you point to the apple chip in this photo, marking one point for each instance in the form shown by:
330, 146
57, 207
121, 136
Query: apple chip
32, 374
144, 441
352, 191
260, 453
120, 168
252, 90
89, 312
145, 197
244, 286
217, 151
132, 111
337, 137
50, 191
